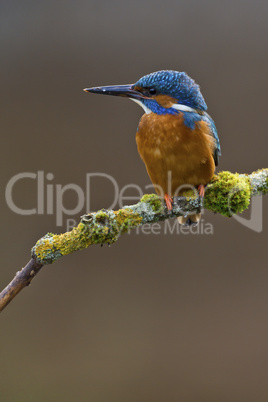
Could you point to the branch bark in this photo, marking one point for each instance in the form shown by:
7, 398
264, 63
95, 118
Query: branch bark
228, 193
22, 278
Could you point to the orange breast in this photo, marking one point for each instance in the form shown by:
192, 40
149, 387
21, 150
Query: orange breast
175, 155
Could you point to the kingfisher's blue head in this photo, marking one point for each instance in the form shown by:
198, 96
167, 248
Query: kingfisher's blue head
161, 92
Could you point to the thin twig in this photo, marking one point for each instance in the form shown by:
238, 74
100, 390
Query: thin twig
22, 278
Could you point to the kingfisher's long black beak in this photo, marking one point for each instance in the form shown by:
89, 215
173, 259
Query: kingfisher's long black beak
117, 90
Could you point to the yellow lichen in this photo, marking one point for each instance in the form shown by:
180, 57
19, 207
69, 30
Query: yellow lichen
227, 193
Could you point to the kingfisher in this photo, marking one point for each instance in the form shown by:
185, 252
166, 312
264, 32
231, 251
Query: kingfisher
176, 138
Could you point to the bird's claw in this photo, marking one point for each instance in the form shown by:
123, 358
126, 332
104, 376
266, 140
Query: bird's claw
168, 201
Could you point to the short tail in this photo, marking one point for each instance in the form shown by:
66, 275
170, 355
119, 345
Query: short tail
189, 220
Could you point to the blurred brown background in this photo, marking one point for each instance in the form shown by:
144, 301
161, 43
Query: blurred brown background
154, 317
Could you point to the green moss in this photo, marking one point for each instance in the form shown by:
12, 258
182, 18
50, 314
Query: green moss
102, 228
107, 226
101, 217
190, 194
154, 201
228, 193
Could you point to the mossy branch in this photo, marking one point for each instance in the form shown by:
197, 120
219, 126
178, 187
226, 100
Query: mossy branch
227, 194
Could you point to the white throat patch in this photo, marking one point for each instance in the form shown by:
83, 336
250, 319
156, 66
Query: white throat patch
146, 109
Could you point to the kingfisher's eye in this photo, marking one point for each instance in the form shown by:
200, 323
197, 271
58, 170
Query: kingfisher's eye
152, 91
146, 91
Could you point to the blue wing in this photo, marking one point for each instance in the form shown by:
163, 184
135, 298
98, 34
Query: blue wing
190, 118
206, 117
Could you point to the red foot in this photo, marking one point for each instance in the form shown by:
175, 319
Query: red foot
168, 200
201, 190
